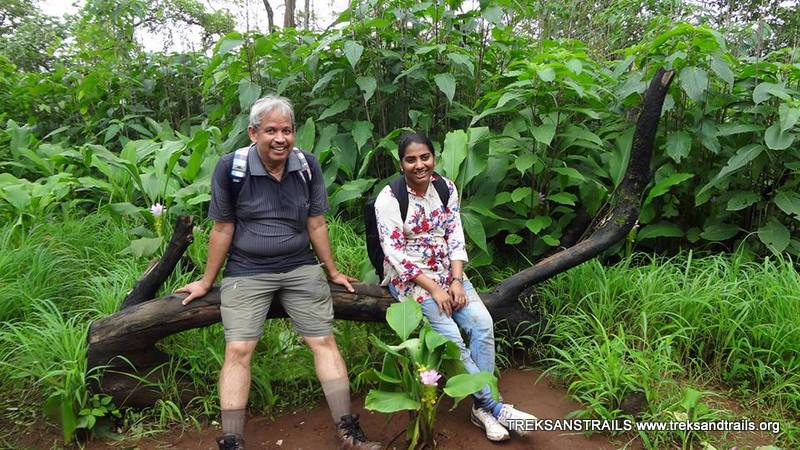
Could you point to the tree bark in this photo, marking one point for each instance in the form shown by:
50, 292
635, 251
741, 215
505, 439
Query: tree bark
270, 16
288, 14
154, 276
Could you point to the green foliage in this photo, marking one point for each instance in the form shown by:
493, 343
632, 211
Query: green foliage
650, 326
401, 382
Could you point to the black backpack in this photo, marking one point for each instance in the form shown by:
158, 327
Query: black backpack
398, 186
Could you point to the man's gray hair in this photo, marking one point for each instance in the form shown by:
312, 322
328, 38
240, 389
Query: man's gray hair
266, 105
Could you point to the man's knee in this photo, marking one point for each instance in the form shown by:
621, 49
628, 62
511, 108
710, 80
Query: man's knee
239, 352
321, 343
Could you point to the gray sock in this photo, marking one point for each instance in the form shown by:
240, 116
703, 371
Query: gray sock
337, 393
233, 422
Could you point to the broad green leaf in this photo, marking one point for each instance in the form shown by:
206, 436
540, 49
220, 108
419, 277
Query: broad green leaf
353, 51
788, 116
325, 79
742, 200
564, 198
727, 129
474, 229
581, 132
721, 68
306, 134
550, 240
248, 93
524, 162
569, 172
454, 153
538, 223
468, 383
774, 235
508, 96
362, 131
694, 81
334, 109
763, 91
777, 139
678, 145
447, 84
513, 239
351, 190
17, 195
544, 133
124, 209
788, 202
404, 317
389, 402
547, 74
434, 340
228, 44
462, 60
662, 229
145, 246
521, 193
737, 161
664, 185
719, 232
575, 65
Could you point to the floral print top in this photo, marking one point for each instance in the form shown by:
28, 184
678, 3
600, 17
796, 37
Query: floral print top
430, 238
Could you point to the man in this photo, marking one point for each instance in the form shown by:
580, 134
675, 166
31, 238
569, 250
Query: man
263, 227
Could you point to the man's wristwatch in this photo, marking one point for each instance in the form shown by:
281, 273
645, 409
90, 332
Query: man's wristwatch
459, 279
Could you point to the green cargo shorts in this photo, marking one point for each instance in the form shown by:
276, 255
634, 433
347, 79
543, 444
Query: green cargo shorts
303, 293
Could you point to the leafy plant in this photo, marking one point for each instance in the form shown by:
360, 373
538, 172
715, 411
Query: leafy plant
410, 372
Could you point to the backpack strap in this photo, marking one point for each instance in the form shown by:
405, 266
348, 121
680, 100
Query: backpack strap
238, 172
441, 188
398, 186
305, 170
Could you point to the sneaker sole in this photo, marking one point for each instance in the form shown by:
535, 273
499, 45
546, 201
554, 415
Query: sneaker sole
479, 424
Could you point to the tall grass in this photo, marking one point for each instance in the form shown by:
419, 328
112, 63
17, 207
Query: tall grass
647, 325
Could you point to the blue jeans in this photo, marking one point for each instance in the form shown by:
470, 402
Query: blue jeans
477, 324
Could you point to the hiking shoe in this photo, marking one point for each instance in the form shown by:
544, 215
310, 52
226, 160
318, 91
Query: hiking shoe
352, 437
230, 442
515, 420
485, 420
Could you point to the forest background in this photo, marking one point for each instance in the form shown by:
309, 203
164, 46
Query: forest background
530, 104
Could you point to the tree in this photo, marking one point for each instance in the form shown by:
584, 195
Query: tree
28, 37
288, 14
270, 16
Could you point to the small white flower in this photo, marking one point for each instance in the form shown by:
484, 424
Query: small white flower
157, 210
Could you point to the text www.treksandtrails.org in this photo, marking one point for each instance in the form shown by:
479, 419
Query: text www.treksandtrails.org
622, 425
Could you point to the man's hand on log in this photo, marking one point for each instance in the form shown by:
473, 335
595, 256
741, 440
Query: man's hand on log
195, 290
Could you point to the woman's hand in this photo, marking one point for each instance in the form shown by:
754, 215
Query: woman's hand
442, 298
458, 296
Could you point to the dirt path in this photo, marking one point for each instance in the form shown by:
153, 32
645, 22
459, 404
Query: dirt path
312, 429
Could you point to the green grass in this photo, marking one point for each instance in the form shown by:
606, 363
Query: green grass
677, 330
660, 326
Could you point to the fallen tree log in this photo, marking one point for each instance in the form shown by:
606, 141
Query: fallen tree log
125, 342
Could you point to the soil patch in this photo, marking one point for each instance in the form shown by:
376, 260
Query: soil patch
311, 429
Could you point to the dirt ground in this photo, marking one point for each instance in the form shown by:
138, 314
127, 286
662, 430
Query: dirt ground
311, 429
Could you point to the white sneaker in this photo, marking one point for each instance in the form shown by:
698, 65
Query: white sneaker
485, 420
515, 420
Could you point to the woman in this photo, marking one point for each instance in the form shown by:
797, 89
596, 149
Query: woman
425, 256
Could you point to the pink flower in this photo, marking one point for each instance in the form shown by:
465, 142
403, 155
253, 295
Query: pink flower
429, 377
157, 210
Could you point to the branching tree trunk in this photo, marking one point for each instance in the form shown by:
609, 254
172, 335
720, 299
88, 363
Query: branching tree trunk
124, 342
